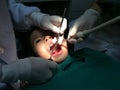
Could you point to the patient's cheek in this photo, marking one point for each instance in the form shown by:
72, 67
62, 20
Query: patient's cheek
42, 52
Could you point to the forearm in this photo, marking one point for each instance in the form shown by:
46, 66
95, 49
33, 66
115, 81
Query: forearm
19, 12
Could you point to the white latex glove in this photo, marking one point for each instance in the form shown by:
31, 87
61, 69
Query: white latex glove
34, 70
84, 22
48, 22
60, 39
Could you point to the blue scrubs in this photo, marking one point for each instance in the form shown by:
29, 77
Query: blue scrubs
19, 12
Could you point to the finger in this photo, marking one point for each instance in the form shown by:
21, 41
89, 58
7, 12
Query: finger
63, 26
72, 32
60, 39
75, 40
52, 65
72, 41
75, 26
52, 27
56, 18
79, 40
54, 40
79, 34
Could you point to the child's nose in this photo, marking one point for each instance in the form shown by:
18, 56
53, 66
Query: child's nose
48, 38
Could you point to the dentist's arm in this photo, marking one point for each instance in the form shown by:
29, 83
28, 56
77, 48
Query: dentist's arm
24, 17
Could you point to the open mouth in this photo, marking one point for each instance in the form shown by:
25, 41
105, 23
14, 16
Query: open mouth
55, 48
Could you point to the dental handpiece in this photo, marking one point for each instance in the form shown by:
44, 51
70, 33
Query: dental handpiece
86, 32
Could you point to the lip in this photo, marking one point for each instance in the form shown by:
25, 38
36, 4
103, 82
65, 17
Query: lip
58, 51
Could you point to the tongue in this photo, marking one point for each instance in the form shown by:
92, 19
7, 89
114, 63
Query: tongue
56, 49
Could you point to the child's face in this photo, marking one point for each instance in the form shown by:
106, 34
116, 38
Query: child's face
44, 45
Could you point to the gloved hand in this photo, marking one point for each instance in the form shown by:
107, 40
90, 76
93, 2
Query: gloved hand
48, 22
84, 22
34, 70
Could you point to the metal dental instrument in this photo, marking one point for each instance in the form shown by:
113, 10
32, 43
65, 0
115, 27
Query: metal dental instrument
58, 35
86, 32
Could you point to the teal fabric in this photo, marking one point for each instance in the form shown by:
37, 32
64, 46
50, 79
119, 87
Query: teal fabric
86, 69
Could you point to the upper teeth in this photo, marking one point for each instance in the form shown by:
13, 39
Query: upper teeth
54, 40
51, 44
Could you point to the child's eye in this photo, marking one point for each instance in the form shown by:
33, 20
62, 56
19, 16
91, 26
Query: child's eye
37, 40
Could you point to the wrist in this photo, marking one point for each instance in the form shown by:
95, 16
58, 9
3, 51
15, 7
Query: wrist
92, 11
36, 18
96, 7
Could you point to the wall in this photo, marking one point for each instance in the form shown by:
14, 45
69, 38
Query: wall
77, 7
